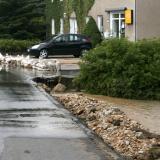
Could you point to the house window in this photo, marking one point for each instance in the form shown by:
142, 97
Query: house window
73, 26
117, 24
53, 27
100, 23
61, 26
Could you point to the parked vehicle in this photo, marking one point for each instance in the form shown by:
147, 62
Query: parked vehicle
64, 44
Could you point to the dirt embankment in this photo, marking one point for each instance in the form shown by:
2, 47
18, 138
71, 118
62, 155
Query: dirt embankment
126, 136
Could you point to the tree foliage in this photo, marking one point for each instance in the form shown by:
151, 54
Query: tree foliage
22, 19
54, 10
81, 8
57, 8
93, 32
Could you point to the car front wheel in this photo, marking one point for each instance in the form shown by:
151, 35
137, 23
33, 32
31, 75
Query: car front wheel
43, 53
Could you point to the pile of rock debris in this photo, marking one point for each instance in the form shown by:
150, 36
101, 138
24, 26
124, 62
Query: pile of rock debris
123, 134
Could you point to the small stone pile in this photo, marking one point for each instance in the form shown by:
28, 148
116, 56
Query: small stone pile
123, 134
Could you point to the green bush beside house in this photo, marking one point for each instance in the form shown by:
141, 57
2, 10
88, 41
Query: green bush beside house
121, 68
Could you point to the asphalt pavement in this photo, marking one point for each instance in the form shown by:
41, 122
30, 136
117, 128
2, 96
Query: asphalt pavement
34, 126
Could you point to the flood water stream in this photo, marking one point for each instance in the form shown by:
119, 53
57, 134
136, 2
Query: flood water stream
146, 112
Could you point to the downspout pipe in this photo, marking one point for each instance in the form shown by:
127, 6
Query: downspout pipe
135, 20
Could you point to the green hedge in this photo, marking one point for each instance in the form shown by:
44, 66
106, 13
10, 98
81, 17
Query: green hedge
121, 68
13, 47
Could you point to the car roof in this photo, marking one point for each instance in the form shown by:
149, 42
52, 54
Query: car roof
72, 34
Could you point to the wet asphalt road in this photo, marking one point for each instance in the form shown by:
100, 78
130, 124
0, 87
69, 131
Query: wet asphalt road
33, 126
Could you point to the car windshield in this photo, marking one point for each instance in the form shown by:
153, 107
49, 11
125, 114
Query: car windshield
50, 38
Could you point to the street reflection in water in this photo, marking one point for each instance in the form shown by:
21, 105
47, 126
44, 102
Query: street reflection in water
27, 111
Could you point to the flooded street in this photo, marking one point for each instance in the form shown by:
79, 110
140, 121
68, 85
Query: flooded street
33, 126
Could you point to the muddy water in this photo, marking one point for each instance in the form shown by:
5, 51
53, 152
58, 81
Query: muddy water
145, 112
30, 119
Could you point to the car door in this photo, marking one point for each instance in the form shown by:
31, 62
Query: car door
60, 45
74, 43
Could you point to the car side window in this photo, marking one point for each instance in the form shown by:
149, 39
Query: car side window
71, 38
61, 39
74, 38
77, 38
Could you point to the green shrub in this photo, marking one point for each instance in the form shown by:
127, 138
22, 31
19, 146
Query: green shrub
121, 68
13, 47
91, 30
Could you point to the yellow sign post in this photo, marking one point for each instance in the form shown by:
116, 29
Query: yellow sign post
128, 16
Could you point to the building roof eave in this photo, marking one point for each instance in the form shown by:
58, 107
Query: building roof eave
115, 9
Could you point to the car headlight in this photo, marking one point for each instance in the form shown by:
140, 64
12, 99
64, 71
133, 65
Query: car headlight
35, 46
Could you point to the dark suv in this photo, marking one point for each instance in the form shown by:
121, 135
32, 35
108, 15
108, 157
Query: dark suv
64, 44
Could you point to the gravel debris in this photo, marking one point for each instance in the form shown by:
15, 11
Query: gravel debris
126, 136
